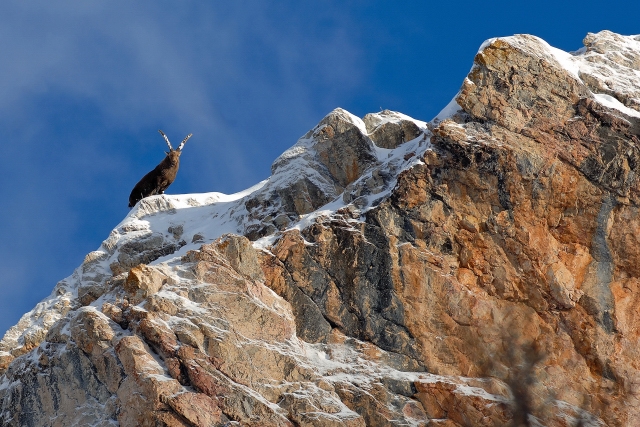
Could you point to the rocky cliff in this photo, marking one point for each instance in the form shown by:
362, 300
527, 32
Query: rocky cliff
481, 269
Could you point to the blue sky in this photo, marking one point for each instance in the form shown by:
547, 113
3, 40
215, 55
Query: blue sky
84, 87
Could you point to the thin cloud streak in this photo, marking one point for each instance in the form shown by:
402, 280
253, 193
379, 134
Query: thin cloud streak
83, 89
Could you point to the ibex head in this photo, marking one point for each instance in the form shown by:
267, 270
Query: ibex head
174, 153
156, 181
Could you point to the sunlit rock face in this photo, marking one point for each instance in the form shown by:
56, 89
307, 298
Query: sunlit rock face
480, 269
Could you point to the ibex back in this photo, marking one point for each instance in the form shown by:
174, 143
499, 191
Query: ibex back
156, 181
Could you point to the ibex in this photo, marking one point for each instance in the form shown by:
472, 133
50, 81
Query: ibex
156, 181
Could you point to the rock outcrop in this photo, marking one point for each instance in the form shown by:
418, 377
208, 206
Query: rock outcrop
481, 269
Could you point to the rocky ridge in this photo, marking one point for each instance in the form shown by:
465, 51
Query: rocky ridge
480, 269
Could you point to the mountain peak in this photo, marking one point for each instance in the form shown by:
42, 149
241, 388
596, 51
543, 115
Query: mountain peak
477, 269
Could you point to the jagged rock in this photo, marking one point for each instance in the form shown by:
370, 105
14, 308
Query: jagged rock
5, 359
197, 408
613, 60
389, 129
144, 391
89, 292
143, 251
152, 205
239, 252
351, 287
520, 84
312, 173
90, 328
562, 285
143, 281
176, 231
462, 403
55, 399
343, 147
311, 325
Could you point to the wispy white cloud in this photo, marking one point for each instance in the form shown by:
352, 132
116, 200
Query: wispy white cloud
85, 85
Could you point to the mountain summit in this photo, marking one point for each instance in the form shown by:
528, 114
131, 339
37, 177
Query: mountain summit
480, 269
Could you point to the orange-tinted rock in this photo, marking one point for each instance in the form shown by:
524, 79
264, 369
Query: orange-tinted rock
516, 232
143, 281
463, 404
197, 408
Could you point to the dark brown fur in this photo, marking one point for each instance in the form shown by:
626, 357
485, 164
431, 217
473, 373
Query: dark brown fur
160, 178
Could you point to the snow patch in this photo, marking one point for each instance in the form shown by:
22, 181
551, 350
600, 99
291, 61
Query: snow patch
566, 60
486, 43
611, 102
612, 70
448, 111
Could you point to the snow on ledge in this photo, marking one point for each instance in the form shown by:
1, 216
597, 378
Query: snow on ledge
448, 111
611, 102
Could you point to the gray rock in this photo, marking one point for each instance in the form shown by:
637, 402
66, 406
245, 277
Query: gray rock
176, 230
388, 129
342, 147
70, 393
144, 251
241, 254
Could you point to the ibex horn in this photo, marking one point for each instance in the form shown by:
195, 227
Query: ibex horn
184, 142
166, 139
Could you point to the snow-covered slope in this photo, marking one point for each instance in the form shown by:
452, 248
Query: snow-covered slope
161, 228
